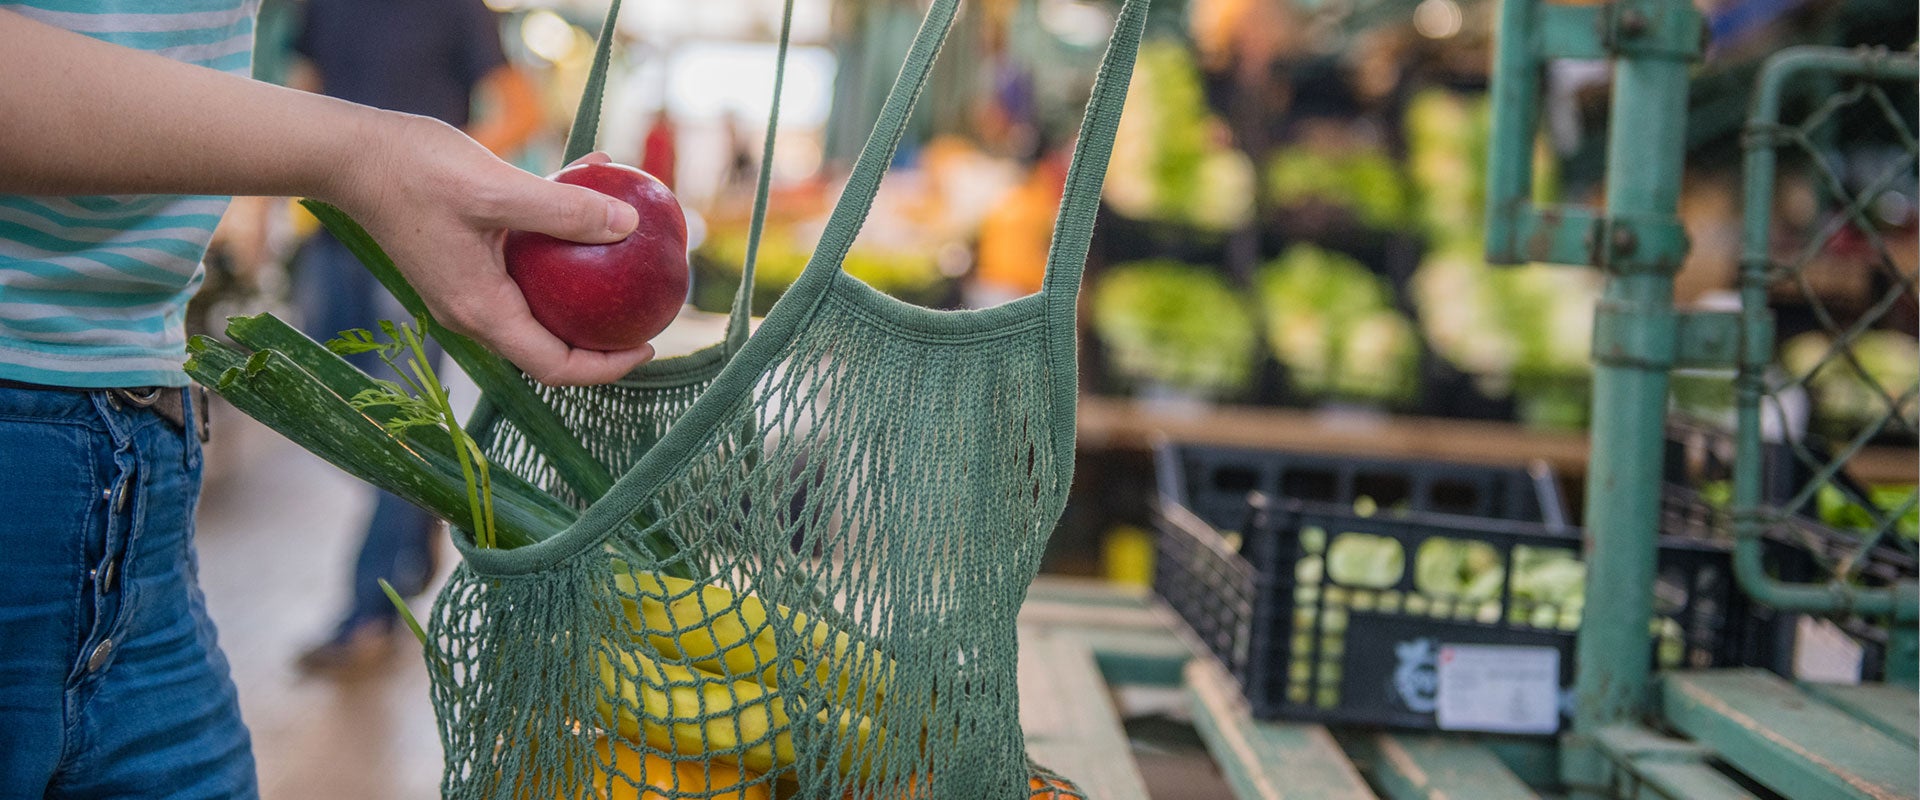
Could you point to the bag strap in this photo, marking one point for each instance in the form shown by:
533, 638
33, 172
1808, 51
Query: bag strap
586, 117
737, 323
1087, 172
586, 128
856, 200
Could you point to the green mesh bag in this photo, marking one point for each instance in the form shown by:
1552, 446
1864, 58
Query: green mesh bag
806, 580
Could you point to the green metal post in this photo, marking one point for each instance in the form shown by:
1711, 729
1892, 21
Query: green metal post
1516, 94
1645, 151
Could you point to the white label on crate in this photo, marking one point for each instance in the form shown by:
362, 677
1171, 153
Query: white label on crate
1498, 688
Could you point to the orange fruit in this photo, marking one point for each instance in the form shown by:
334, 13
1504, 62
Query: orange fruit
664, 779
1041, 788
1051, 789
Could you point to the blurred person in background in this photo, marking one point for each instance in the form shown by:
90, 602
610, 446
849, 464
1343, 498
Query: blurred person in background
434, 58
659, 151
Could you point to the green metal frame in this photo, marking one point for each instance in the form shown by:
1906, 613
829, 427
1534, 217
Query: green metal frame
1639, 244
1754, 518
1639, 338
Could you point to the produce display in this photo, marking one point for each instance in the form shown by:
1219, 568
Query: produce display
614, 296
1525, 330
1171, 160
1839, 510
1364, 180
1331, 322
1849, 394
911, 274
1454, 579
1447, 136
1175, 326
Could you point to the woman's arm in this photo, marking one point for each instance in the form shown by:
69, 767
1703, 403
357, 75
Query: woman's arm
80, 116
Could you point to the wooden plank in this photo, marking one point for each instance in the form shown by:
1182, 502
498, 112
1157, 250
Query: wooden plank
1895, 710
1085, 591
1071, 615
1149, 658
1429, 767
1267, 760
1121, 423
1686, 780
1107, 422
1130, 636
1792, 743
1070, 723
1651, 766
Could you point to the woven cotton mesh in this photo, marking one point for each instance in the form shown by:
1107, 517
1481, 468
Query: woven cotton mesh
882, 495
617, 424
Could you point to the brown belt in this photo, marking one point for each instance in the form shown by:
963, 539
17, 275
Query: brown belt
167, 402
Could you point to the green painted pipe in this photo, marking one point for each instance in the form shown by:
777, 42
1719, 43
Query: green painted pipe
1901, 601
1516, 93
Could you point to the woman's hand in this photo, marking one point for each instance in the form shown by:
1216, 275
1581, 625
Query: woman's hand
441, 206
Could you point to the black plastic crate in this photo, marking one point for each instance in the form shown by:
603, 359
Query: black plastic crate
1214, 483
1699, 456
1328, 615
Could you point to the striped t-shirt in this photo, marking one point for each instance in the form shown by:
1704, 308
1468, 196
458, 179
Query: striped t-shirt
93, 290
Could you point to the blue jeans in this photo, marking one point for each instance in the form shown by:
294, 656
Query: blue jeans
111, 681
336, 293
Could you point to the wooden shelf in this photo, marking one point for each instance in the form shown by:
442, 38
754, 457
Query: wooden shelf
1114, 423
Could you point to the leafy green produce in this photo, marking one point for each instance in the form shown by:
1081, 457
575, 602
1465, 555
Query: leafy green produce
898, 271
1332, 323
1526, 329
1447, 143
1845, 396
1358, 559
1170, 159
1458, 567
1448, 136
1549, 576
1362, 179
1837, 510
1174, 324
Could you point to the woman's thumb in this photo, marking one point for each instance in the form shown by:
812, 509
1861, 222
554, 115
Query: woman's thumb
574, 213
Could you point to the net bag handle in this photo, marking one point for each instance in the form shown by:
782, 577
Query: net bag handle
1073, 229
1079, 202
1079, 205
586, 129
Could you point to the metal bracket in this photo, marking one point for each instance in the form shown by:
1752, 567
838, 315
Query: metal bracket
1662, 339
1654, 29
1643, 243
1621, 245
1533, 32
1623, 28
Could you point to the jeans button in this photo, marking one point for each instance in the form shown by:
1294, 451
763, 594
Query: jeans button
106, 578
113, 400
100, 653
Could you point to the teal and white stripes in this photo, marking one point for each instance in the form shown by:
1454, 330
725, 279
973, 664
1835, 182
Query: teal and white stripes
93, 290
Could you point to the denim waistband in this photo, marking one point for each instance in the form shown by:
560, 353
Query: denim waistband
89, 407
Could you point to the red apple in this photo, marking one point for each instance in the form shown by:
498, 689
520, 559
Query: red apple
607, 296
